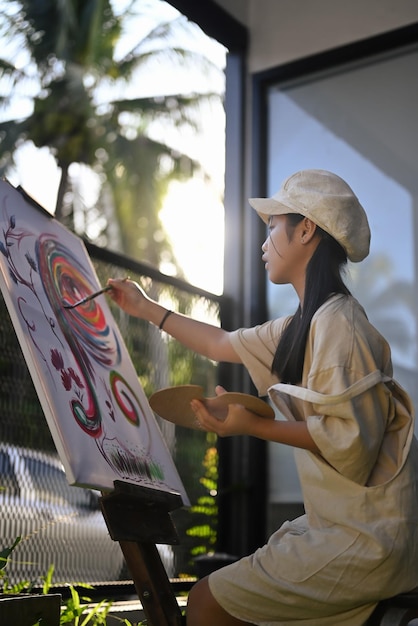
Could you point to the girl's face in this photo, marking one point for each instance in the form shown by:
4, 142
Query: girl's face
285, 253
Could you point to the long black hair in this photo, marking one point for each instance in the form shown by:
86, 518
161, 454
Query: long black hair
323, 278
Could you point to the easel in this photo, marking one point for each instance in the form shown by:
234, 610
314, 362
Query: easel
138, 518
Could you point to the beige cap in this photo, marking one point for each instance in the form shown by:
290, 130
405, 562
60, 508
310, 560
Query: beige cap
327, 200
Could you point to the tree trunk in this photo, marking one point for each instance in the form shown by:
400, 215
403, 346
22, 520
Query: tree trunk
63, 186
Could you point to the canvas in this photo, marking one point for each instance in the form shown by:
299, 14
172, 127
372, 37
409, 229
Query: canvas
100, 419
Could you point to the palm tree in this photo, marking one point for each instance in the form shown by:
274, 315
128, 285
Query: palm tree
77, 75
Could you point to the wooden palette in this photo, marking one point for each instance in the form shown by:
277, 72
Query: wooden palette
173, 404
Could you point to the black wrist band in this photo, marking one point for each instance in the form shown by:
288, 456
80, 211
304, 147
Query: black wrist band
166, 314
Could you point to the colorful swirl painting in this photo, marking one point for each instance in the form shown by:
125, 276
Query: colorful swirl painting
98, 414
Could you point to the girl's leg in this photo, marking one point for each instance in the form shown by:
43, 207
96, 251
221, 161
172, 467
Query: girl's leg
203, 610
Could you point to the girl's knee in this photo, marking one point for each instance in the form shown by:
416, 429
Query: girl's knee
198, 603
204, 610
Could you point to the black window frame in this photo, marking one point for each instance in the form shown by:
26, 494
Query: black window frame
242, 485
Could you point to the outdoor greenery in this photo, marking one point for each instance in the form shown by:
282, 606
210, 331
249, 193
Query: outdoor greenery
75, 610
205, 511
75, 68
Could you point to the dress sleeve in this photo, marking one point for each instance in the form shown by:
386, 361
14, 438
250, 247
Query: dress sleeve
256, 348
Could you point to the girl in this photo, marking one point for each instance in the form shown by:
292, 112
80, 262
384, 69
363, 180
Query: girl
329, 373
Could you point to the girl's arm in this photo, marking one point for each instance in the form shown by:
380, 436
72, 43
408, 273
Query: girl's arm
212, 342
205, 339
237, 420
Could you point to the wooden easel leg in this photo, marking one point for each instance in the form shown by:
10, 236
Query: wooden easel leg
152, 584
139, 518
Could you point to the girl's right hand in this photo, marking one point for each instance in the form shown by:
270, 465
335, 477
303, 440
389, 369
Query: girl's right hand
128, 295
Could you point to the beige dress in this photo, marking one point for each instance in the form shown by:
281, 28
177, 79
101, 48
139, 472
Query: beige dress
358, 540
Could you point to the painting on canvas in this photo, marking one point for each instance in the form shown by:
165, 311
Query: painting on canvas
102, 425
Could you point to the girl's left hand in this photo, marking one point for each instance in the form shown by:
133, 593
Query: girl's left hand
215, 417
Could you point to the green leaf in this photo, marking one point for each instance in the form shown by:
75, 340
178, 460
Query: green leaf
6, 552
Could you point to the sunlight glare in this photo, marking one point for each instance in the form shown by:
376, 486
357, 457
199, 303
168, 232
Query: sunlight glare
193, 215
37, 173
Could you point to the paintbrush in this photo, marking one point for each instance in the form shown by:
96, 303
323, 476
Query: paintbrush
87, 298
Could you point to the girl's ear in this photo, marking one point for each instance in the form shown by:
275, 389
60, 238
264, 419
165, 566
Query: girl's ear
308, 230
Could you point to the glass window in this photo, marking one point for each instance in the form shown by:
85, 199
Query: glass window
360, 122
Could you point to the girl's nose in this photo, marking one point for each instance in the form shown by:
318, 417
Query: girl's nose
264, 246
